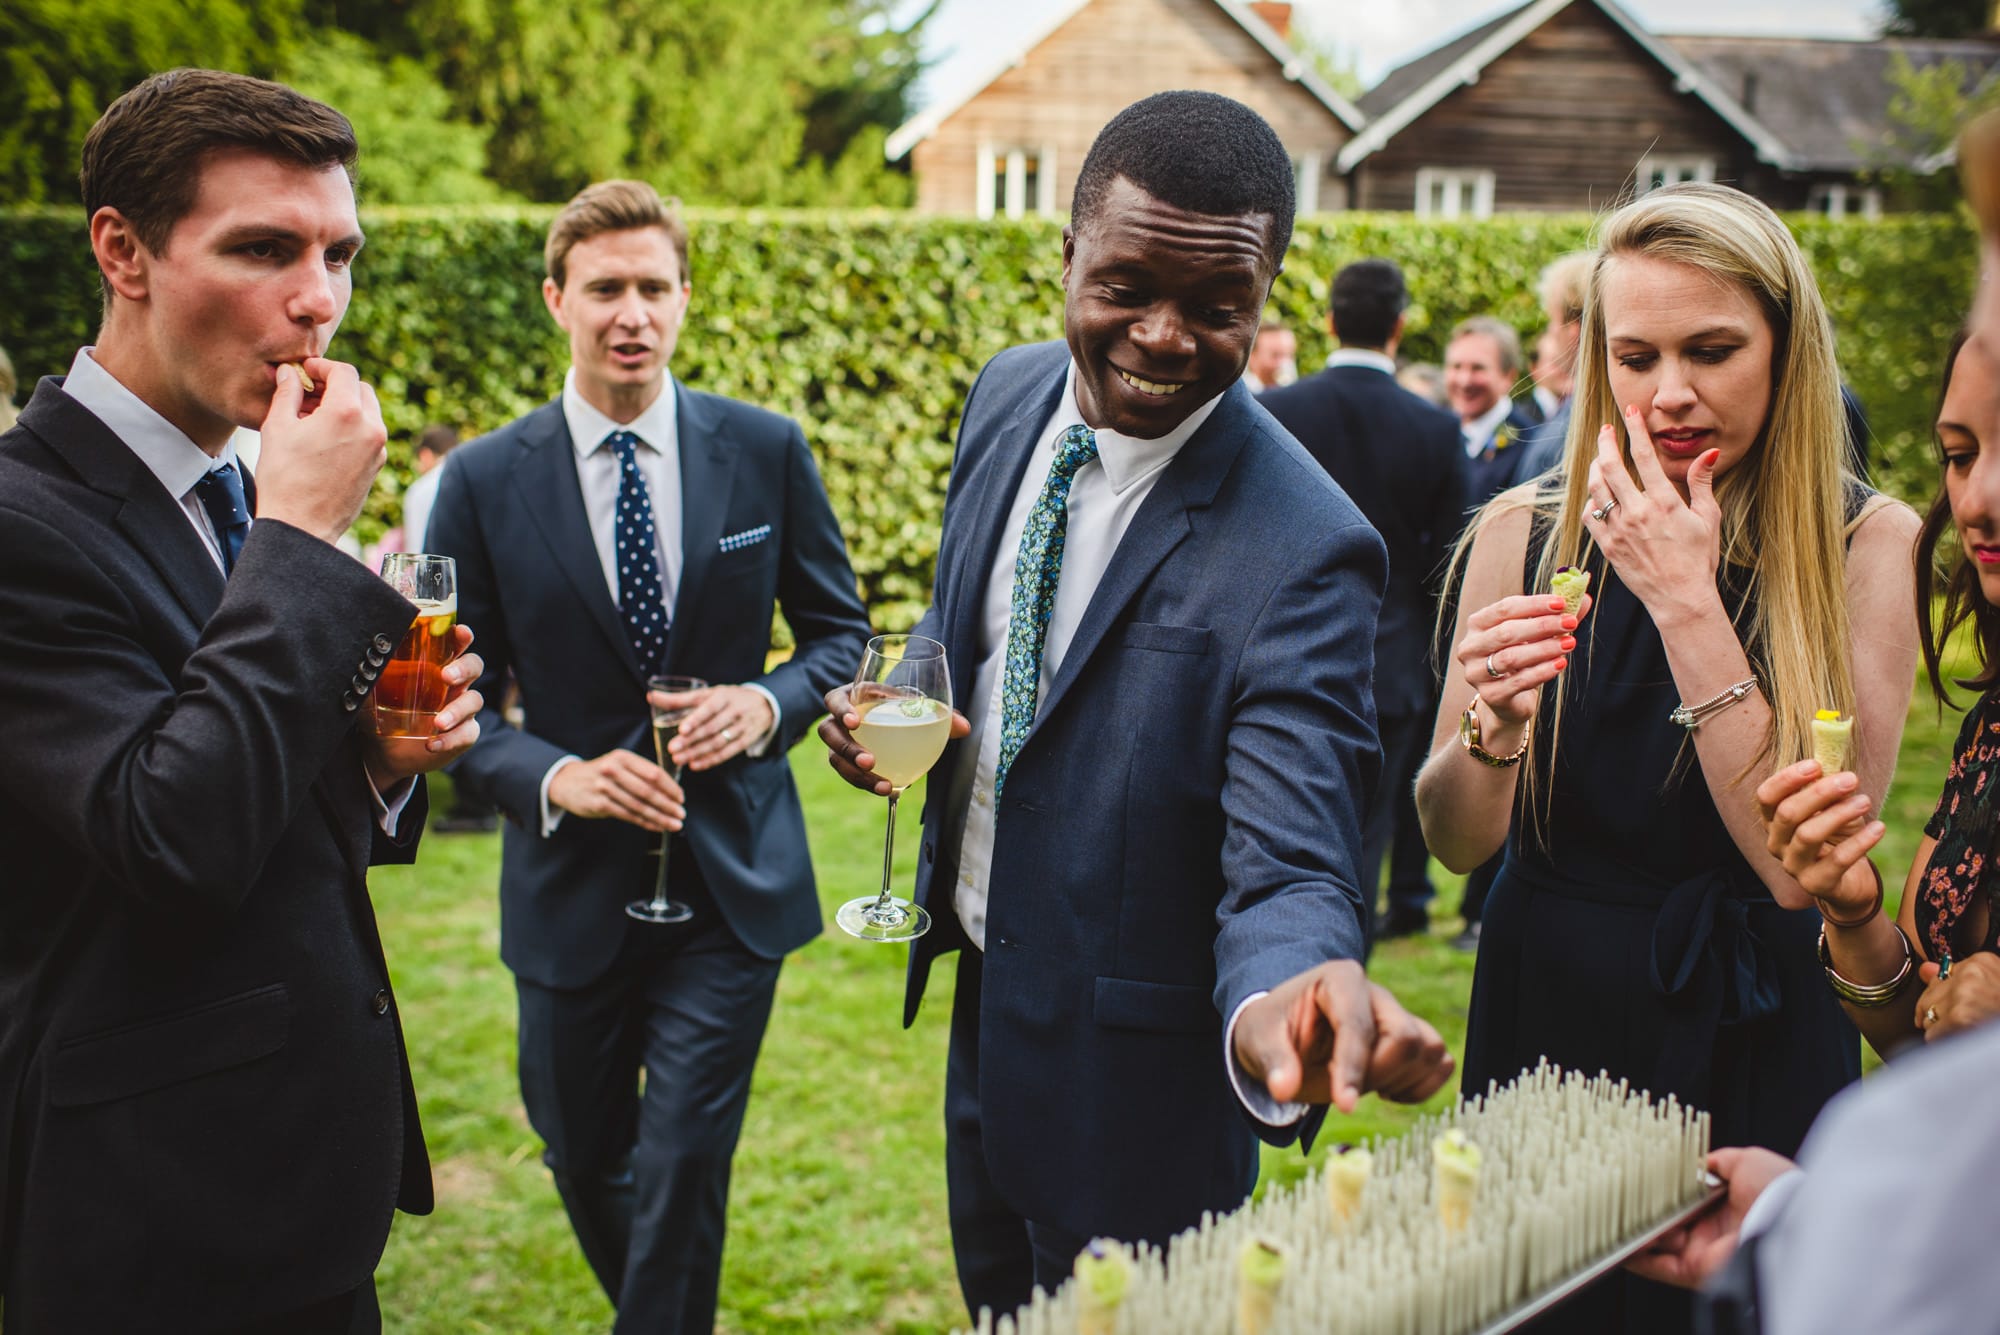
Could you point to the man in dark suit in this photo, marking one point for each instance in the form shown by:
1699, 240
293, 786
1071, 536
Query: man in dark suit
1481, 363
206, 1117
1145, 845
1397, 457
631, 528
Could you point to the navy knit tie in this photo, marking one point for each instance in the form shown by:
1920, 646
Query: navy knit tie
640, 598
221, 494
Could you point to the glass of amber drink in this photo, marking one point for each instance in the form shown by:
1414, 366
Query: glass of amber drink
411, 689
902, 691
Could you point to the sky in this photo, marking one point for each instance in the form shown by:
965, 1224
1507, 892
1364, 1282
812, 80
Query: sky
966, 38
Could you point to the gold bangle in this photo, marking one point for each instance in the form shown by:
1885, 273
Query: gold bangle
1867, 996
1468, 737
1866, 918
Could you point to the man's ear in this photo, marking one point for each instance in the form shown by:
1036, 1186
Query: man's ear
121, 255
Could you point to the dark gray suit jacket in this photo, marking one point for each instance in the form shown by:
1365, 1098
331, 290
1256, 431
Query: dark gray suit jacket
205, 1108
511, 512
1182, 824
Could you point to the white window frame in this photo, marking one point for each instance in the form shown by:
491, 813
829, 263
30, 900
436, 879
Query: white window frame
1467, 192
1305, 179
994, 199
1673, 170
1837, 199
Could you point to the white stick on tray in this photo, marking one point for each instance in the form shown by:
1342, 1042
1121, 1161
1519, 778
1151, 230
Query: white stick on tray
1570, 1170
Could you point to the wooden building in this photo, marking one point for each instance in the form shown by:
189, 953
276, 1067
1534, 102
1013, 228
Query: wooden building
1572, 105
1012, 143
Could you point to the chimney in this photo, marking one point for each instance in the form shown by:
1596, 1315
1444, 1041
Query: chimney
1279, 16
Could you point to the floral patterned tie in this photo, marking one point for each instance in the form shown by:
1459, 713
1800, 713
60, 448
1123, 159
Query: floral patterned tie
1037, 567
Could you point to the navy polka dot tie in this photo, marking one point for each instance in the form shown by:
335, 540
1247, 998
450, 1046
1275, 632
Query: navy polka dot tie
640, 598
221, 494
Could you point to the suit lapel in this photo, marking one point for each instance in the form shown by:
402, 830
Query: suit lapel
1189, 483
159, 529
151, 519
1002, 453
708, 472
545, 477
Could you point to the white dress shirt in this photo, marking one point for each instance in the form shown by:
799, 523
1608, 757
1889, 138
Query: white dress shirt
598, 473
1104, 496
417, 502
1368, 357
1479, 432
179, 464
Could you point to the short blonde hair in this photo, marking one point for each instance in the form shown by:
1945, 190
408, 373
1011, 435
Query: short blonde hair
612, 206
1563, 284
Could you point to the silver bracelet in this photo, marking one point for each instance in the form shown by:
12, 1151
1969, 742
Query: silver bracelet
1690, 716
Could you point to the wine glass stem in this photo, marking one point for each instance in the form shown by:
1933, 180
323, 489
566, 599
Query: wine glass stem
660, 882
888, 853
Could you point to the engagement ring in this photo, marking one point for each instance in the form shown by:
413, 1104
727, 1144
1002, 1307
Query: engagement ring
1603, 511
1930, 1016
729, 734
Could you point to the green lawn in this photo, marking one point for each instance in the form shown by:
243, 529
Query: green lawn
837, 1213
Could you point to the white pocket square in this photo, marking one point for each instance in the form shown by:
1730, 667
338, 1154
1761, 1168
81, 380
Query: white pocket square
749, 537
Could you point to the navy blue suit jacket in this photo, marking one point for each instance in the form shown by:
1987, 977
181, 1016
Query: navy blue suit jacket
510, 510
1500, 468
1400, 458
1182, 824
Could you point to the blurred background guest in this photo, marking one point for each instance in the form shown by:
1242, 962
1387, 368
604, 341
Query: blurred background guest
1274, 358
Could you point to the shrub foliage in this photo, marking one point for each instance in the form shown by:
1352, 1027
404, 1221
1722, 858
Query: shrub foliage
870, 327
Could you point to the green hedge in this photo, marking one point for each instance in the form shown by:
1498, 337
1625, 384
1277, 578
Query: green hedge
869, 328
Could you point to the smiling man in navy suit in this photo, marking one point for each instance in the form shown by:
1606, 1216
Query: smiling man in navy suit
1144, 844
632, 528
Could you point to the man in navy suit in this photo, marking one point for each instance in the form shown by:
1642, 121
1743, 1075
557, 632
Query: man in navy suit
1481, 363
1398, 457
631, 528
206, 1114
1145, 842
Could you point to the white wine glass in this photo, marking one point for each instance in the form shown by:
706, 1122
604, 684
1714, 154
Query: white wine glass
666, 727
903, 694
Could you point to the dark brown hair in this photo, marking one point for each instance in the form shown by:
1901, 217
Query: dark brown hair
144, 155
1948, 590
612, 206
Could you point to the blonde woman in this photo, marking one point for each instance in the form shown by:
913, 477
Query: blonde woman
1741, 582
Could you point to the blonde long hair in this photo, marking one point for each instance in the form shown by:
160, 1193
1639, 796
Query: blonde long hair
1783, 513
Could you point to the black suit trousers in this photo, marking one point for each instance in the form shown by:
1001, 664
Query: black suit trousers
1405, 742
644, 1171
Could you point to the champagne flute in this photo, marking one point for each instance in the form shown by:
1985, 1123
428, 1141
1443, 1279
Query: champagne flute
666, 727
902, 692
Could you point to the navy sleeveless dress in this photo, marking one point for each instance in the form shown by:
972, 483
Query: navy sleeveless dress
1630, 936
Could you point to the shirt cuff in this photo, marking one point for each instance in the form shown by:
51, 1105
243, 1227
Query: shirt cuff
762, 746
389, 810
552, 816
1770, 1204
1250, 1091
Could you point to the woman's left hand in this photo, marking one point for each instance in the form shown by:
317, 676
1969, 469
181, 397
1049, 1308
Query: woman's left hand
1664, 549
1968, 997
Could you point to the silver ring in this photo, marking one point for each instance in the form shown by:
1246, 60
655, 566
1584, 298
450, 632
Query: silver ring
1492, 671
1602, 512
729, 734
1930, 1016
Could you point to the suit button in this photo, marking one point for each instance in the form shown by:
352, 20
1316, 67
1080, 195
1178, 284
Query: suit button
371, 671
381, 1002
360, 684
376, 658
383, 644
348, 702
